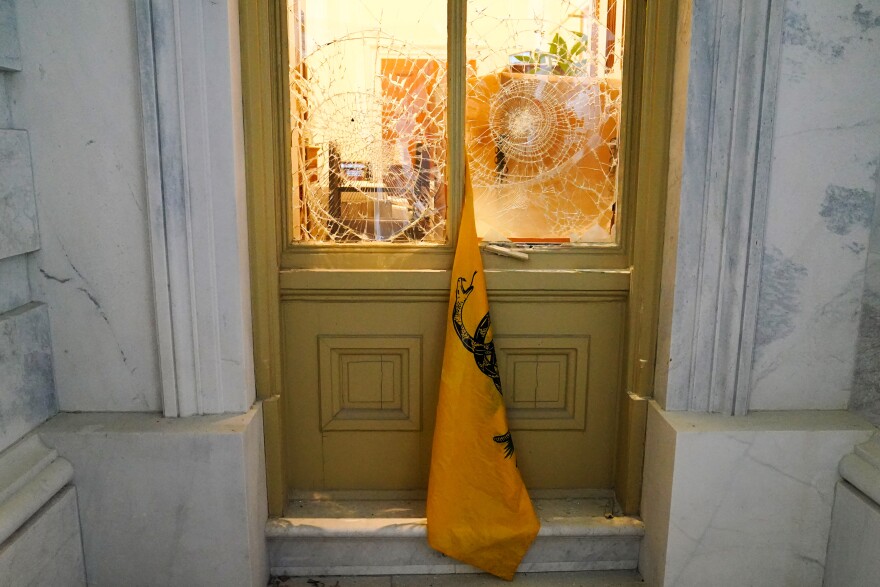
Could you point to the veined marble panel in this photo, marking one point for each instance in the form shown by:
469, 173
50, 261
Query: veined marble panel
10, 52
5, 112
748, 498
15, 290
27, 395
866, 384
78, 96
48, 549
18, 211
178, 501
823, 188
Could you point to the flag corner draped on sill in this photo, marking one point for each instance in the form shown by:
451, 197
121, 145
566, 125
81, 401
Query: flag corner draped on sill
478, 510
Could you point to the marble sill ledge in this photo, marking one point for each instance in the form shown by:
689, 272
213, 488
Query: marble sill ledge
146, 423
417, 527
766, 421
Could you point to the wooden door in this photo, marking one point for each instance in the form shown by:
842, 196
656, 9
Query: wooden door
362, 334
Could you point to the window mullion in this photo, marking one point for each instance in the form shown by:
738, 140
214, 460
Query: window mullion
457, 90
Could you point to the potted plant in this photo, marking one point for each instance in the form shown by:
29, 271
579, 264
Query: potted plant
559, 59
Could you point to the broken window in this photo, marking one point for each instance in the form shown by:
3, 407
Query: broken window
368, 117
542, 119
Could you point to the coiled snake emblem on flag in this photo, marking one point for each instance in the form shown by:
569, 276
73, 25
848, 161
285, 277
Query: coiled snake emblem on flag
483, 350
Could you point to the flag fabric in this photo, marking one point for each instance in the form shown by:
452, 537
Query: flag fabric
478, 509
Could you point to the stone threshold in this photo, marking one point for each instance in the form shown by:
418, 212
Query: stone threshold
348, 534
571, 579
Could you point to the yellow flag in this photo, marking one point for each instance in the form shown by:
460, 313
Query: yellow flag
479, 511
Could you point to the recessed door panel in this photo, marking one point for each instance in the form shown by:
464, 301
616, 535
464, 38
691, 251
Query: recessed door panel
363, 376
361, 379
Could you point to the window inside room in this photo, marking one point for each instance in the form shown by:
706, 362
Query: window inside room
368, 87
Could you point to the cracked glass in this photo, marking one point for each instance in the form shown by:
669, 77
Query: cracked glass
543, 111
368, 119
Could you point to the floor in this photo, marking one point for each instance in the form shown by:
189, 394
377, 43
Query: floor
578, 579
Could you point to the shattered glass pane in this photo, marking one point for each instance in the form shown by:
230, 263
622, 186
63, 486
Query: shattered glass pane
543, 111
368, 120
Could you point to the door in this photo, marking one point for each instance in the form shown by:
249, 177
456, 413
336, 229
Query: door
387, 102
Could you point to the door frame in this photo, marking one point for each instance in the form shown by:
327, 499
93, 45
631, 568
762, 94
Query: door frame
265, 99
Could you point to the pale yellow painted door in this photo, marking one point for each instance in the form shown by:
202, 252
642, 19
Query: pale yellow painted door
363, 322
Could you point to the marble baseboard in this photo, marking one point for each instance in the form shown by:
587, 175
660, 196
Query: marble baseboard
741, 501
168, 501
48, 549
18, 208
855, 534
27, 388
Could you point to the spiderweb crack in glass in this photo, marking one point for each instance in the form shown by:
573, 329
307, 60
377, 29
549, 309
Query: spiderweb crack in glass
542, 120
371, 110
528, 119
368, 118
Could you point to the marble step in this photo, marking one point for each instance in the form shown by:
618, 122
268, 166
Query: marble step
334, 536
555, 579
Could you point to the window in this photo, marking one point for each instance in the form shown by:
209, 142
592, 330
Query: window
368, 82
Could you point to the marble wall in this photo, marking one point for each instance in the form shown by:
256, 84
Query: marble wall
13, 275
26, 378
10, 52
77, 94
41, 542
18, 230
26, 388
866, 385
741, 501
823, 185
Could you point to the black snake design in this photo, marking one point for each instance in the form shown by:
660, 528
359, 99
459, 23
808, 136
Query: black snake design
482, 349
